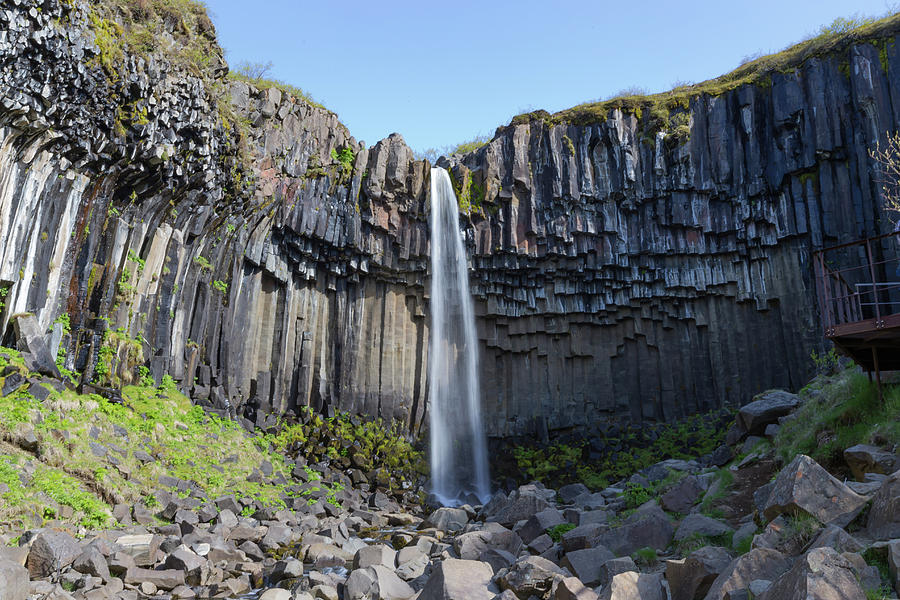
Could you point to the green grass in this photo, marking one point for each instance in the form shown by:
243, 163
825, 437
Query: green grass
657, 110
840, 411
645, 556
215, 454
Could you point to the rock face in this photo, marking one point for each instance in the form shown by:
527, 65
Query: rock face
616, 272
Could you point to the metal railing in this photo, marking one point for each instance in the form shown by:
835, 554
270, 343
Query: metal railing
859, 281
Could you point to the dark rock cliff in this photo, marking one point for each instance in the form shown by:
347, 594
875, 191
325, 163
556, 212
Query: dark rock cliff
618, 274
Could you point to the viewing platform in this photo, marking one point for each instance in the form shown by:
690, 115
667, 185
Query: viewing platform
859, 295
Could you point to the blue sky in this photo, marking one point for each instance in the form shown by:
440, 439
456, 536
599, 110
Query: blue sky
443, 73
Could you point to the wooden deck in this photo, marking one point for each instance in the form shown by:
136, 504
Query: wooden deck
860, 300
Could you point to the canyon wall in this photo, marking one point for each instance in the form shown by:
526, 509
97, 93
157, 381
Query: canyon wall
242, 242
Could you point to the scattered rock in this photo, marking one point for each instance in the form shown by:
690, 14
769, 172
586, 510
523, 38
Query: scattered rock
765, 409
454, 579
821, 573
634, 586
884, 516
805, 486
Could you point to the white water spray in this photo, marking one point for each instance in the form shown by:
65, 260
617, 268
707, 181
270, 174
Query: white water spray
458, 448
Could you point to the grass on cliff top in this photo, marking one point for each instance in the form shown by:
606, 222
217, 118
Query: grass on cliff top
831, 39
180, 29
85, 460
840, 411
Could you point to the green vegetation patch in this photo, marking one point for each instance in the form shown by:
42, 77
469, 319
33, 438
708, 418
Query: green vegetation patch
557, 531
840, 411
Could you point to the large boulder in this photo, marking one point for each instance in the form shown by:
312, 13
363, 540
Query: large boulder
634, 586
164, 579
683, 496
530, 576
454, 579
571, 588
648, 527
821, 573
376, 554
13, 581
759, 563
51, 551
766, 408
884, 516
539, 523
30, 339
804, 486
520, 506
586, 564
863, 459
446, 519
376, 582
701, 526
691, 577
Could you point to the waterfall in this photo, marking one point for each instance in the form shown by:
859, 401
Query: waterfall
458, 449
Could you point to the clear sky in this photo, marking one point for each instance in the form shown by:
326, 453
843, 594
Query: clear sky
443, 73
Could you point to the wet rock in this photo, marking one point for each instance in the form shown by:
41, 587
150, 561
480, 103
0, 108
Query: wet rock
821, 573
454, 579
884, 516
805, 486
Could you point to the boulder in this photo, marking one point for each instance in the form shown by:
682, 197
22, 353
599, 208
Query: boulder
530, 576
586, 564
647, 528
411, 563
191, 564
141, 547
92, 562
376, 554
276, 594
683, 496
520, 506
804, 486
454, 579
164, 579
864, 459
568, 493
539, 523
766, 408
583, 536
634, 586
837, 538
691, 577
446, 519
701, 525
51, 551
884, 516
13, 581
821, 573
759, 563
613, 567
30, 339
893, 558
570, 588
376, 582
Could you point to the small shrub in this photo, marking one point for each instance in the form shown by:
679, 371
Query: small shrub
635, 495
557, 531
645, 556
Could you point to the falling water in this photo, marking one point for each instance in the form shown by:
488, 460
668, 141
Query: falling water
458, 455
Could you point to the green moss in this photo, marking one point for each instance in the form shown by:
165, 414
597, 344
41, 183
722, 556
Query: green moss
570, 147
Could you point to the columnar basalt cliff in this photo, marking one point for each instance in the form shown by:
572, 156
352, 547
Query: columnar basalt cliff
241, 241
